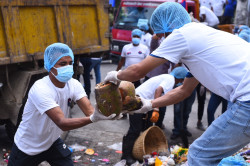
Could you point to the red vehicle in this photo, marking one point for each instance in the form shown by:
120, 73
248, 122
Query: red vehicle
132, 12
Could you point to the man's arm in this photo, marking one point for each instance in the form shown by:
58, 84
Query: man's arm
158, 92
65, 124
121, 63
85, 106
139, 70
176, 95
203, 18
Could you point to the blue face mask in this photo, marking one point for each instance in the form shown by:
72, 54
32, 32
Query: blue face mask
64, 74
135, 40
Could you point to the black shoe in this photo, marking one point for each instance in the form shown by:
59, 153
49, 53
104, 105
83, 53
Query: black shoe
130, 160
188, 133
200, 126
127, 148
174, 136
124, 116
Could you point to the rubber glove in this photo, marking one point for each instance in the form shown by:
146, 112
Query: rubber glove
146, 106
112, 77
119, 116
97, 115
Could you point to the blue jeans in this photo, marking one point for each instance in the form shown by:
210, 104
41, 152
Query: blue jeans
187, 108
96, 64
213, 104
226, 135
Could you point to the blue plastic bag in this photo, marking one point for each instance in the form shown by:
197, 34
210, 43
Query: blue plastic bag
236, 160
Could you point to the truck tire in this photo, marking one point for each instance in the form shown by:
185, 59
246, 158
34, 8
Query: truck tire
10, 129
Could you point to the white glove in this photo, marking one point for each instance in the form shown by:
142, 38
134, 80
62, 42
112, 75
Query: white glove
112, 77
97, 115
119, 116
146, 106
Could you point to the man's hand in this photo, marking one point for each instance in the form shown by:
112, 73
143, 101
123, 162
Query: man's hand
112, 77
97, 115
146, 106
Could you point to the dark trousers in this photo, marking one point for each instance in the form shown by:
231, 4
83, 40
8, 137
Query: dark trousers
226, 20
86, 62
57, 155
137, 83
201, 101
140, 122
213, 104
181, 116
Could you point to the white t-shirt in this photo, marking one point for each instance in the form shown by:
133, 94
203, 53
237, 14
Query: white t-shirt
218, 60
134, 54
218, 7
147, 89
37, 132
211, 18
206, 3
146, 40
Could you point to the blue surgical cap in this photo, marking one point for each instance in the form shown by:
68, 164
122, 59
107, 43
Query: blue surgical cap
136, 32
144, 26
245, 36
179, 72
54, 52
169, 16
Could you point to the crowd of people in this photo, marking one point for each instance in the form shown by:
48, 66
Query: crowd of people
180, 60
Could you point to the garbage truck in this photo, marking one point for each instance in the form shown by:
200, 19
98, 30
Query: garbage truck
27, 27
125, 22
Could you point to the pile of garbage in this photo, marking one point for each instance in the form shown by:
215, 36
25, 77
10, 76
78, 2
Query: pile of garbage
176, 157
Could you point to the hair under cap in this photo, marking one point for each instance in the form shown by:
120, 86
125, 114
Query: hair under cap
54, 52
169, 16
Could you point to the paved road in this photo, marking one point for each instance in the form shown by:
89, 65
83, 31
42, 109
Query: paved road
109, 133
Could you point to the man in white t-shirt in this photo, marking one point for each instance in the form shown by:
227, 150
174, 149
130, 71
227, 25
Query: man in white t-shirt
151, 89
218, 60
133, 53
218, 8
208, 16
46, 113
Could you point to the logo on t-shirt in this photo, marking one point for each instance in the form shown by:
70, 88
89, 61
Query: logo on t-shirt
144, 40
128, 53
70, 103
139, 52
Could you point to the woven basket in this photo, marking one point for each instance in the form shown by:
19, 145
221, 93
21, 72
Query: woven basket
151, 140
